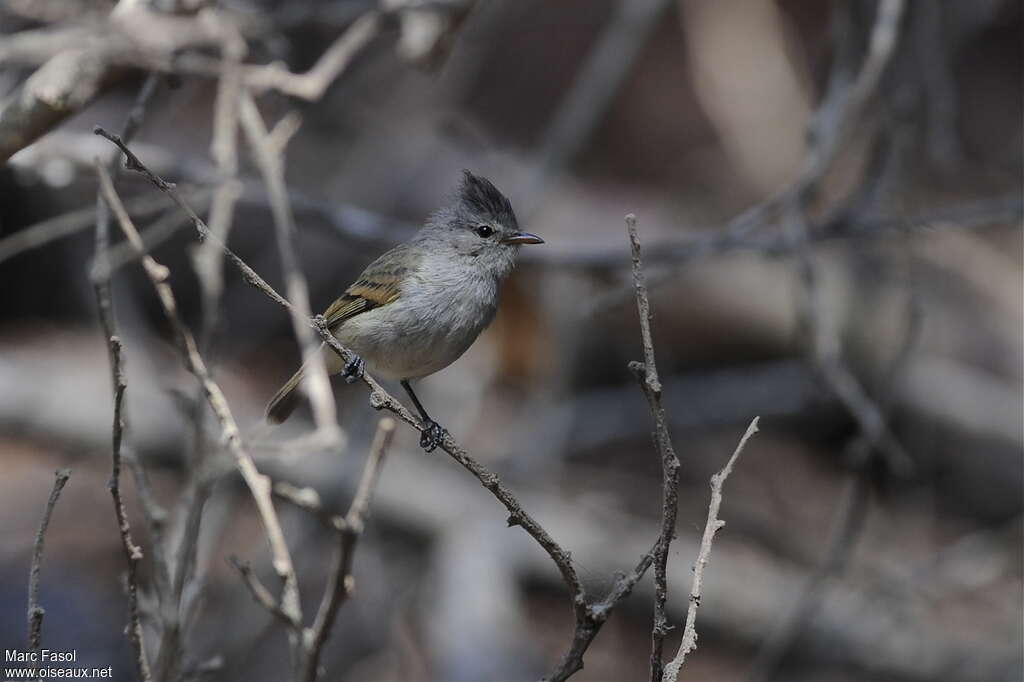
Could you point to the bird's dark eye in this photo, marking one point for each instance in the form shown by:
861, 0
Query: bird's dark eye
484, 231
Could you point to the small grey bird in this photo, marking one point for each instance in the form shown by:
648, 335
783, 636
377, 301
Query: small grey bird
421, 305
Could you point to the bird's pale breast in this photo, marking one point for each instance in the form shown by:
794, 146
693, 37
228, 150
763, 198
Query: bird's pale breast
439, 313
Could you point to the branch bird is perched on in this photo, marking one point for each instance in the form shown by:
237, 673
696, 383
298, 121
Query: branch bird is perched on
419, 306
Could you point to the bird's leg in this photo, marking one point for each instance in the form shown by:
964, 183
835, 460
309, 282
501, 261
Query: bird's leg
354, 369
433, 433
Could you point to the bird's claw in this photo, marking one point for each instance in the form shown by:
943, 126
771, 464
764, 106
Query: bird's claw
432, 435
354, 370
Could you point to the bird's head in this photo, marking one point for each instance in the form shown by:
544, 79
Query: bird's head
480, 224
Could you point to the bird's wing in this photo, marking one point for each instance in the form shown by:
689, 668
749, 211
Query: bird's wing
377, 286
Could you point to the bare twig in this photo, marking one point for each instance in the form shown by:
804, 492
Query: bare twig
132, 552
35, 611
258, 484
208, 259
340, 582
591, 617
647, 374
689, 642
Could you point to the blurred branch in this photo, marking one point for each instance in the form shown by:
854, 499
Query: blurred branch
269, 153
158, 232
727, 240
58, 89
308, 500
207, 261
311, 85
135, 36
43, 232
35, 611
85, 61
836, 114
265, 599
594, 86
647, 374
831, 123
87, 64
850, 518
849, 522
711, 527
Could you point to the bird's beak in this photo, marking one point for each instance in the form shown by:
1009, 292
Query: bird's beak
522, 238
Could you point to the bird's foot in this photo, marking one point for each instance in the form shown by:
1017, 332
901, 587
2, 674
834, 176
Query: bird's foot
432, 435
354, 369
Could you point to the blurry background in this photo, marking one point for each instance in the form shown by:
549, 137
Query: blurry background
844, 557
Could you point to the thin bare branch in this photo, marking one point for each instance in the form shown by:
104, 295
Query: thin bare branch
340, 581
35, 611
647, 375
689, 642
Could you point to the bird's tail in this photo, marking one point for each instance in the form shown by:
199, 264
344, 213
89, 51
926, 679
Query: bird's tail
285, 400
289, 396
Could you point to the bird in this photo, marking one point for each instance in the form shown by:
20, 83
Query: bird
418, 307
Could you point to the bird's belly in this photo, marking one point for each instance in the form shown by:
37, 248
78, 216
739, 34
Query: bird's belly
402, 341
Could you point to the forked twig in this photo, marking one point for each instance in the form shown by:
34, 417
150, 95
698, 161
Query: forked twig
689, 642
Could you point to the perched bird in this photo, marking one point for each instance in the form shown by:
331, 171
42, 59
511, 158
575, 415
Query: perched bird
420, 306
